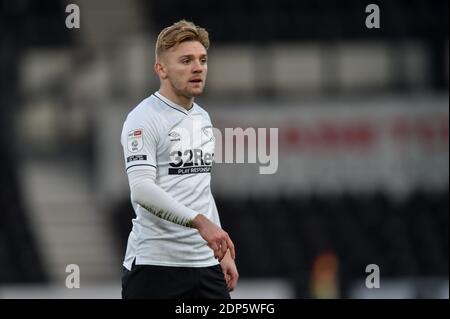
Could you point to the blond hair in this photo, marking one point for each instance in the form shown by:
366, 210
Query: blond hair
178, 32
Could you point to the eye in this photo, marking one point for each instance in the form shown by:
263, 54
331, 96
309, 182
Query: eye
203, 60
185, 61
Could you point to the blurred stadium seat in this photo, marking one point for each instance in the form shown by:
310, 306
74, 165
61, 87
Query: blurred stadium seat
282, 237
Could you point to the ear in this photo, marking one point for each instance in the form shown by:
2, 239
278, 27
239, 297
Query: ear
160, 70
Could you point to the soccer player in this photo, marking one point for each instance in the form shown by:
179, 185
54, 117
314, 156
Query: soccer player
176, 248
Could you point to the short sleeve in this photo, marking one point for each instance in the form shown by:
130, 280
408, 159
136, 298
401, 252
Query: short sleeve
139, 141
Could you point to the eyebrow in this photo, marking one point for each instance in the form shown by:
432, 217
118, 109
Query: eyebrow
192, 55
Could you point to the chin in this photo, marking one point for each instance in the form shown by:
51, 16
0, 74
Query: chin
195, 93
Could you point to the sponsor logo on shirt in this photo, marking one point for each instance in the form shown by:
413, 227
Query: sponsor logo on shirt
135, 140
208, 133
191, 161
174, 136
136, 158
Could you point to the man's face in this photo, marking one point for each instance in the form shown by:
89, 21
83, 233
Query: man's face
185, 67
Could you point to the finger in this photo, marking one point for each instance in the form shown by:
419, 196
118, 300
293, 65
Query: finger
231, 247
221, 254
224, 247
218, 254
227, 278
233, 281
228, 282
215, 248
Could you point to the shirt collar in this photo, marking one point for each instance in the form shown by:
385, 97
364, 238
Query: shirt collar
172, 104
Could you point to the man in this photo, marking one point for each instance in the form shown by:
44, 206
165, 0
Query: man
176, 248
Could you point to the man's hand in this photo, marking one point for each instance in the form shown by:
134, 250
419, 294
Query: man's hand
229, 270
217, 239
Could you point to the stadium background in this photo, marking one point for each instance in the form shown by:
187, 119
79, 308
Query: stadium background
363, 142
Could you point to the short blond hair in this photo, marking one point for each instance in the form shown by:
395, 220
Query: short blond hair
178, 32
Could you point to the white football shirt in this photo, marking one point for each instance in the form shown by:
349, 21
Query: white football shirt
180, 145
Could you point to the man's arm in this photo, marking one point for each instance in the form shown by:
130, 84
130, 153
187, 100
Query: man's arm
218, 239
149, 195
229, 271
153, 198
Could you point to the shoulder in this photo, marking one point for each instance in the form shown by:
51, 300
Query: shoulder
148, 107
148, 112
147, 115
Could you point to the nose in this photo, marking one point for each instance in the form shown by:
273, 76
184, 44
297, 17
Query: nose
197, 67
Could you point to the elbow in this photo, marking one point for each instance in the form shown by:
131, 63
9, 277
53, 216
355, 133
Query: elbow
136, 192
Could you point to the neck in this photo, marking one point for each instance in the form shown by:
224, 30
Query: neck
178, 99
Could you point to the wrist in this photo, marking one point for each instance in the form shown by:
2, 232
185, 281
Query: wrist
198, 222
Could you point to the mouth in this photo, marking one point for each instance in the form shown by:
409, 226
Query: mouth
196, 81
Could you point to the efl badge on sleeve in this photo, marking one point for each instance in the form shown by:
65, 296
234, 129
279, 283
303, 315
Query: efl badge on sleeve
135, 140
